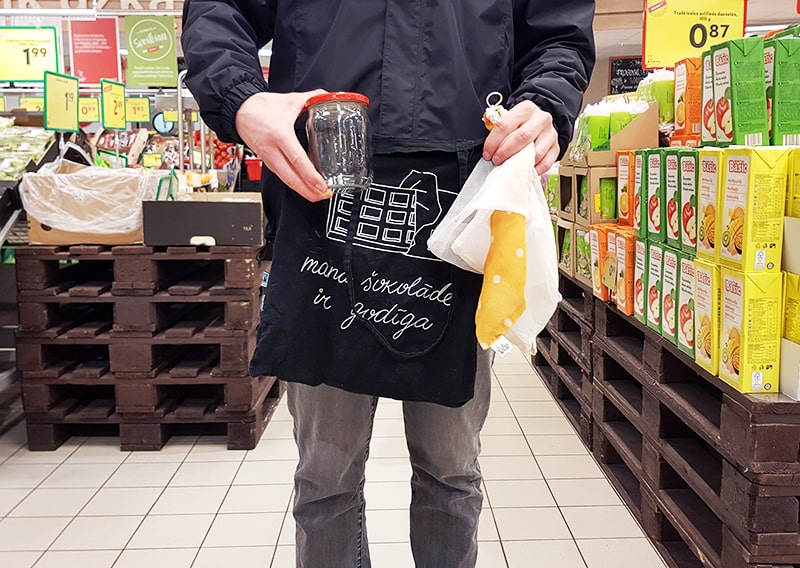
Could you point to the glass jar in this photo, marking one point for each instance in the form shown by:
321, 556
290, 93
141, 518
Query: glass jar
338, 140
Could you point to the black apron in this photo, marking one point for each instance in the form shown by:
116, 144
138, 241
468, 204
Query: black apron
355, 299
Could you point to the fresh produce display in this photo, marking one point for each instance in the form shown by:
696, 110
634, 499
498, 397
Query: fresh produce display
222, 151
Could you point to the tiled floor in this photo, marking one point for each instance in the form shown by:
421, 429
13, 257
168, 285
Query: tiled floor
195, 504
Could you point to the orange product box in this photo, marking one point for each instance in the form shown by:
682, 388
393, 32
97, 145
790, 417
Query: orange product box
626, 270
685, 141
688, 95
598, 243
611, 257
626, 172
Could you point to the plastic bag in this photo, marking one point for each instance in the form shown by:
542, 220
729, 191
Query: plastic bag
464, 236
76, 198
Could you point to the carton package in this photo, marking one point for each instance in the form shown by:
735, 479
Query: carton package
791, 307
707, 305
709, 193
687, 162
669, 295
640, 282
567, 198
609, 263
626, 270
655, 266
791, 254
750, 339
551, 192
672, 177
640, 193
688, 95
741, 102
686, 305
565, 240
597, 195
626, 161
769, 80
583, 256
685, 141
708, 130
793, 193
790, 369
751, 216
598, 240
785, 91
656, 196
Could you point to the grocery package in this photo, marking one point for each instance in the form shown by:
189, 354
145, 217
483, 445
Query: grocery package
656, 196
686, 305
625, 175
687, 159
672, 175
710, 184
707, 306
659, 87
708, 130
583, 256
566, 251
669, 295
550, 184
582, 181
626, 269
130, 144
749, 342
791, 307
640, 282
785, 94
567, 196
19, 146
793, 190
595, 126
655, 266
688, 95
598, 239
640, 193
751, 218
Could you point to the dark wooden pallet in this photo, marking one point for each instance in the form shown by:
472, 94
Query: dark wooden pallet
577, 300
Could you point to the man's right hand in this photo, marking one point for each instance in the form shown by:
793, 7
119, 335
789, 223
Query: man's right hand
265, 122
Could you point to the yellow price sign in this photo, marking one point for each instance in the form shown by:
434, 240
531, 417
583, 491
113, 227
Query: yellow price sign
679, 29
27, 53
172, 116
137, 109
61, 94
152, 160
32, 104
2, 104
89, 109
112, 105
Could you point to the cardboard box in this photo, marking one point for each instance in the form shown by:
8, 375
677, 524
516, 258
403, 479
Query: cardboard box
672, 185
598, 240
597, 195
212, 219
583, 256
565, 240
669, 295
791, 307
567, 196
640, 193
707, 305
790, 369
739, 94
708, 127
688, 162
686, 305
750, 220
39, 234
626, 270
785, 117
750, 341
626, 171
656, 196
710, 184
688, 95
609, 263
640, 282
655, 266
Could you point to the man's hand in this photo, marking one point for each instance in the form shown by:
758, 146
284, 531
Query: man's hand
523, 124
265, 122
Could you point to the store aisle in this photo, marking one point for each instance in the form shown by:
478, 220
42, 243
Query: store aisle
195, 504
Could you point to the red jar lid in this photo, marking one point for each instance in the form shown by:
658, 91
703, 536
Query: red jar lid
337, 96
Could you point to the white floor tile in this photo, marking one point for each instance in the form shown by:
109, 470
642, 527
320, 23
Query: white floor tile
82, 558
157, 558
391, 554
288, 531
24, 476
9, 498
53, 503
546, 426
389, 409
257, 499
79, 475
627, 553
501, 367
97, 533
504, 446
18, 559
539, 523
388, 526
388, 469
211, 473
501, 427
569, 467
265, 472
509, 467
130, 501
527, 394
391, 428
499, 408
544, 408
189, 501
18, 534
601, 522
171, 531
487, 528
387, 495
7, 450
209, 449
143, 475
239, 557
583, 492
490, 555
268, 449
284, 557
277, 430
561, 553
25, 456
282, 412
522, 380
99, 450
526, 493
388, 448
175, 450
245, 530
557, 445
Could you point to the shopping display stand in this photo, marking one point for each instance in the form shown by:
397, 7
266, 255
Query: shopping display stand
712, 475
140, 341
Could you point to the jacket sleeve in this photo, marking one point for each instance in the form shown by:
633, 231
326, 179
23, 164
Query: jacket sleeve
554, 56
220, 45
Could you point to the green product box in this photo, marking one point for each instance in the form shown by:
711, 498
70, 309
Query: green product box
739, 92
655, 266
670, 275
786, 92
687, 163
672, 194
551, 192
685, 316
640, 282
656, 197
708, 132
640, 193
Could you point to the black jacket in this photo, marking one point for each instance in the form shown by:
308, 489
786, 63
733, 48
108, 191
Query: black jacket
426, 65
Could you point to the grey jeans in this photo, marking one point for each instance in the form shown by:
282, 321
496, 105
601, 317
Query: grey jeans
333, 428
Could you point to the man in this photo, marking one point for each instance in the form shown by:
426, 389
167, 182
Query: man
355, 308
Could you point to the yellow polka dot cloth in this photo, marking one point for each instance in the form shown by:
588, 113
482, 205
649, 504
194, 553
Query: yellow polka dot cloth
502, 299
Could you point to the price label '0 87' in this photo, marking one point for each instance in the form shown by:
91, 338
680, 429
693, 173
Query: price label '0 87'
27, 53
112, 105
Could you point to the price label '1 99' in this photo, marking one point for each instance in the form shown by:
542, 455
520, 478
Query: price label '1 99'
27, 53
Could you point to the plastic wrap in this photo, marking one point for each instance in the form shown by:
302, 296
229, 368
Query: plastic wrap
71, 197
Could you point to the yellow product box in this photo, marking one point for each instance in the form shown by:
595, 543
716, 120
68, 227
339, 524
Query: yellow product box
598, 245
709, 192
750, 220
626, 269
750, 341
791, 307
707, 300
793, 194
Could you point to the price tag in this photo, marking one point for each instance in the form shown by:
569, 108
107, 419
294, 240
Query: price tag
137, 109
152, 160
112, 105
27, 53
679, 29
89, 109
2, 104
170, 116
32, 104
61, 102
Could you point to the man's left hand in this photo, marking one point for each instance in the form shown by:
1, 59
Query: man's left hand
523, 124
